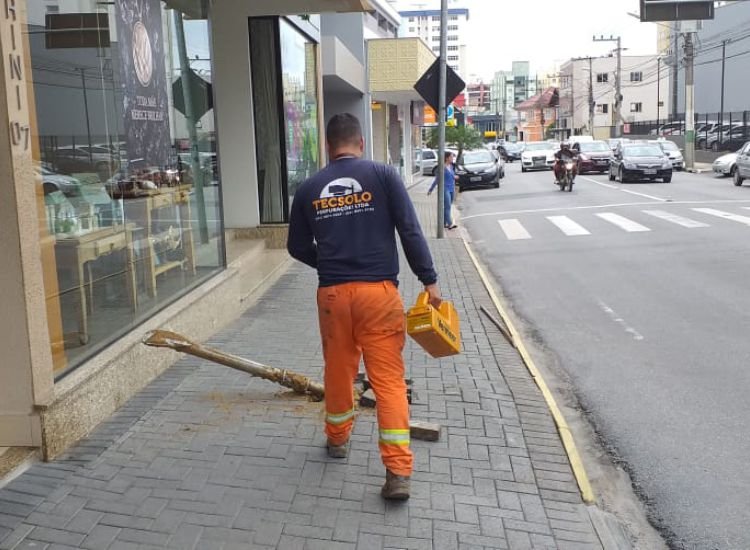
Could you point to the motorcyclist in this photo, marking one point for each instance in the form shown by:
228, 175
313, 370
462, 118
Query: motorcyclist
565, 154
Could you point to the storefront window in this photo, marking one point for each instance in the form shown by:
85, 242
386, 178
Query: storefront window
285, 99
299, 78
126, 163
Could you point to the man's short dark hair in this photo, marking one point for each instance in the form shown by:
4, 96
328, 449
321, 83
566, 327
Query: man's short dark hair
447, 155
343, 129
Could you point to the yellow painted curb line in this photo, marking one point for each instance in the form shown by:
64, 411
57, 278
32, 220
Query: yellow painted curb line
563, 429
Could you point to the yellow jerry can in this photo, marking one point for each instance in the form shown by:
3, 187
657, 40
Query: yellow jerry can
438, 331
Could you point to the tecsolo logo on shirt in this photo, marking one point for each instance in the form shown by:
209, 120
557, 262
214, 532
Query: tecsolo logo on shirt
342, 194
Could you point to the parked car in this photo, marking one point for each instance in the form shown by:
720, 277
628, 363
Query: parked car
743, 165
670, 129
731, 140
712, 140
478, 168
593, 156
726, 164
673, 152
510, 151
427, 162
74, 160
638, 162
538, 155
51, 182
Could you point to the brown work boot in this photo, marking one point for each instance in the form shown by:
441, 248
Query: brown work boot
338, 451
396, 487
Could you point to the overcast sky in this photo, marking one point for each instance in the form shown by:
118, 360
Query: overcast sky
544, 31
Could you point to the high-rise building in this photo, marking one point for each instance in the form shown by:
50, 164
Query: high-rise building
425, 24
509, 88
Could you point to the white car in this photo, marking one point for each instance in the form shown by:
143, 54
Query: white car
538, 155
673, 152
725, 164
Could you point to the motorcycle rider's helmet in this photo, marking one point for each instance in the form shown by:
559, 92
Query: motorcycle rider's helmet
565, 145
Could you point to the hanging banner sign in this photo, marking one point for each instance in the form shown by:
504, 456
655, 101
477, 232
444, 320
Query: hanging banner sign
143, 76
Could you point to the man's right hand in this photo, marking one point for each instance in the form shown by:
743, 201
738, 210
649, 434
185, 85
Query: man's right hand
433, 291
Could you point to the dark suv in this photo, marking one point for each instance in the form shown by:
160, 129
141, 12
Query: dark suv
638, 162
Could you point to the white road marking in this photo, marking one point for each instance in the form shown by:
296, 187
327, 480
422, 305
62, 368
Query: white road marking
660, 199
674, 218
622, 222
620, 321
726, 215
513, 230
568, 226
595, 206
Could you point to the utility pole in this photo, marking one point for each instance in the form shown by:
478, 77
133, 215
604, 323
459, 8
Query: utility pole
591, 96
723, 66
441, 117
675, 69
689, 102
658, 89
618, 82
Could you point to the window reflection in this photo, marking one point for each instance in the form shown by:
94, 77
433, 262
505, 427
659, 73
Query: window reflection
126, 163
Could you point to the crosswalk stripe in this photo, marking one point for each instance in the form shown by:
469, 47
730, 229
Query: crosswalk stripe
674, 218
513, 230
725, 215
623, 223
568, 226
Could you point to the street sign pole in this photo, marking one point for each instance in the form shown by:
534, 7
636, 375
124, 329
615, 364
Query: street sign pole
441, 117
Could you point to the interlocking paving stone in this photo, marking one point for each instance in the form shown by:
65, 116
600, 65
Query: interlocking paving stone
207, 457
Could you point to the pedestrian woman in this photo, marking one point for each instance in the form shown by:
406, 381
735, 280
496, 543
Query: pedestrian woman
450, 190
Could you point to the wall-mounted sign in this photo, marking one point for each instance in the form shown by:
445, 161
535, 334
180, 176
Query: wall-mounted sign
15, 79
144, 83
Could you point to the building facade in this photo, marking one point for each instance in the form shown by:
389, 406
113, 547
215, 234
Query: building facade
146, 152
587, 92
425, 24
508, 89
729, 27
344, 53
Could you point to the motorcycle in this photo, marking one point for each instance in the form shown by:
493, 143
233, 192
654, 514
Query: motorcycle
568, 176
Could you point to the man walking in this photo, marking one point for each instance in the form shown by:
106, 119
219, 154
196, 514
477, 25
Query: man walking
449, 192
343, 223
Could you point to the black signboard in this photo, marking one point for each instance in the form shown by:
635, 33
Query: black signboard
677, 10
428, 85
143, 78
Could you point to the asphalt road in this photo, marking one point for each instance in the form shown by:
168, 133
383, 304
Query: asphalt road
640, 292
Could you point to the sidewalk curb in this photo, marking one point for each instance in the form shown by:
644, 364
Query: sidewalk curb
587, 493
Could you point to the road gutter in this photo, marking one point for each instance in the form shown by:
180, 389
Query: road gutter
566, 435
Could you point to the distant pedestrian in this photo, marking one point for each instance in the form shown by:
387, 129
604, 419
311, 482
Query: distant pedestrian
343, 223
450, 190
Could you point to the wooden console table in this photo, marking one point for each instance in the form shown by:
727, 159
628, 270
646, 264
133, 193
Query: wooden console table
76, 251
146, 212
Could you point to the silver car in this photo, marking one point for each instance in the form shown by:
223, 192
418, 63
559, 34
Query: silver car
725, 164
743, 165
427, 162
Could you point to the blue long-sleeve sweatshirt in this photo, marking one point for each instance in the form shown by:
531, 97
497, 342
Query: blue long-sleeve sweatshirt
344, 221
450, 180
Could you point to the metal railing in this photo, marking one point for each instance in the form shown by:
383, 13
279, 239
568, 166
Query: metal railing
713, 131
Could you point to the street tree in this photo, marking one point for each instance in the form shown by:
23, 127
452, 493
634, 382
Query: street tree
462, 138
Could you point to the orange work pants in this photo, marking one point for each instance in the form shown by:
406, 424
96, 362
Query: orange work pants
366, 319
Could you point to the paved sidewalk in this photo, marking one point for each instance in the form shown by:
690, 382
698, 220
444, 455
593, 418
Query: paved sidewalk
209, 458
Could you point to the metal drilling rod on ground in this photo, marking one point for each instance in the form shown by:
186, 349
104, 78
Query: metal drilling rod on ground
296, 382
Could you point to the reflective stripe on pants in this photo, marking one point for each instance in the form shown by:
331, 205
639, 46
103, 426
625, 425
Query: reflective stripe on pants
366, 319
